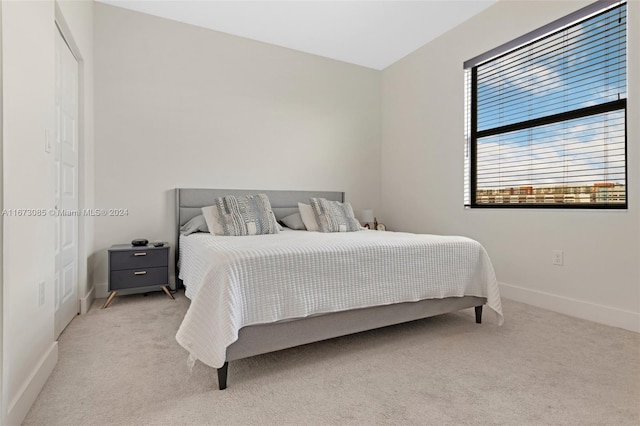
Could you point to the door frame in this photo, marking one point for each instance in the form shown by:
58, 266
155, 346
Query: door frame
67, 36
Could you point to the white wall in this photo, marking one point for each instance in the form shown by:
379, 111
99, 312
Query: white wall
29, 349
422, 171
182, 106
3, 402
28, 241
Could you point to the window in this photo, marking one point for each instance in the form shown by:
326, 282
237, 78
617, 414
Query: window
546, 116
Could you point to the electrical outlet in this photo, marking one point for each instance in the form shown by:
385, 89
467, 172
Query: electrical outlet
558, 257
41, 293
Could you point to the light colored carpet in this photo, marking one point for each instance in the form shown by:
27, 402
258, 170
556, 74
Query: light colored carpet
123, 366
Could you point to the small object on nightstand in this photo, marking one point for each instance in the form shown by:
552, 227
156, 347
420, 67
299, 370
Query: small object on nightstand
366, 218
137, 267
381, 227
158, 244
139, 242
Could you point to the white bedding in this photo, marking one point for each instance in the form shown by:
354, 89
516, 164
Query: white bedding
234, 282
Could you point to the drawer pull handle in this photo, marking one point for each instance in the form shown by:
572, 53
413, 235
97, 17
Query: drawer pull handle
140, 253
140, 273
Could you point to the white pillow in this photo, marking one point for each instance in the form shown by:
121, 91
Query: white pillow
210, 214
294, 221
196, 224
308, 217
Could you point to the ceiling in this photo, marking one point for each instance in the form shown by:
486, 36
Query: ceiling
373, 34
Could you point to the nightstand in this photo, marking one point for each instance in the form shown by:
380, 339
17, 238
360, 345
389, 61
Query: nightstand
136, 267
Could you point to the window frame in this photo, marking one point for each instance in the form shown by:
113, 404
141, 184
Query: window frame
471, 111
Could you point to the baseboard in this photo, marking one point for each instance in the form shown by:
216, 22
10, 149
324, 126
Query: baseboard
85, 302
19, 407
576, 308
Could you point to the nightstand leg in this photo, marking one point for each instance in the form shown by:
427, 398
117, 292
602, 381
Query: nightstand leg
166, 290
109, 299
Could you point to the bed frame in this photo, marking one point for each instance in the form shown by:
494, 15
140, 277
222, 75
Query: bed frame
264, 338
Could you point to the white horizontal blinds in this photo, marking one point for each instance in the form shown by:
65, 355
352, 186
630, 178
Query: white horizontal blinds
550, 118
580, 66
578, 152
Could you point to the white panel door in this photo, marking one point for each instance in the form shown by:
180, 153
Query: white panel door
66, 185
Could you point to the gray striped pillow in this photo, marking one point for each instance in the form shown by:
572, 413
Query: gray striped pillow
334, 216
246, 215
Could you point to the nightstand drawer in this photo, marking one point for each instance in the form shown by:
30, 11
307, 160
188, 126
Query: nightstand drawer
139, 277
138, 258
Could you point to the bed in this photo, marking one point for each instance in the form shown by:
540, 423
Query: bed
256, 294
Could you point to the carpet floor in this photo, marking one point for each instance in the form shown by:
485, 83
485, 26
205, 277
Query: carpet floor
122, 366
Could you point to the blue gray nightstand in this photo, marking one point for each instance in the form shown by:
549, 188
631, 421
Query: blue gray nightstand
136, 267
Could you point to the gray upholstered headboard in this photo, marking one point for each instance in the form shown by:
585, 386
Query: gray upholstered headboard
189, 201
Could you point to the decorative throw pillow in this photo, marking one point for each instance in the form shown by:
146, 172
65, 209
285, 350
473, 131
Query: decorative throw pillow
294, 221
334, 216
308, 217
196, 224
245, 215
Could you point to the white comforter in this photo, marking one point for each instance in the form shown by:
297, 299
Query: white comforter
234, 282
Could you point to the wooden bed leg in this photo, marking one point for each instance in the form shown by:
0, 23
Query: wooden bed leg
479, 314
222, 376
